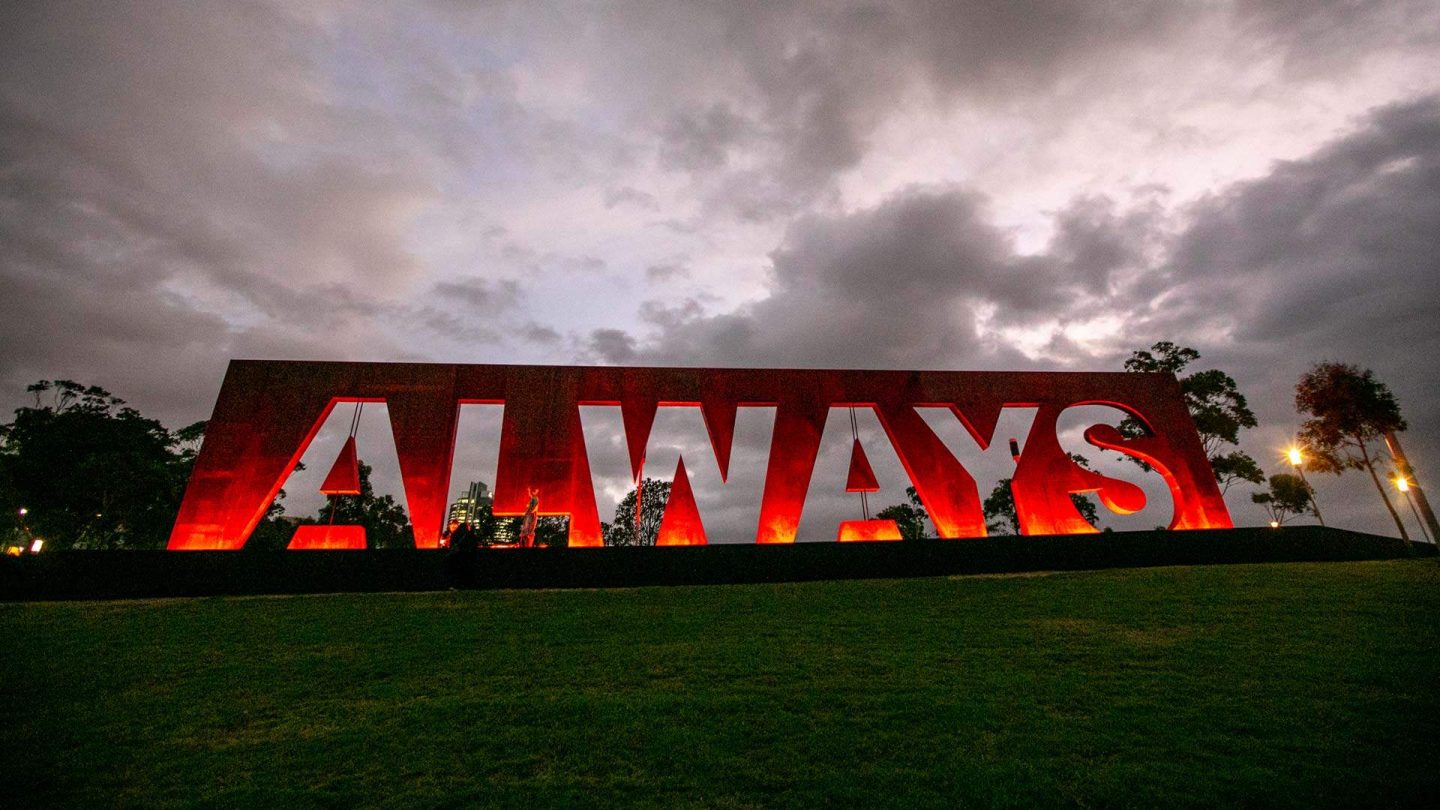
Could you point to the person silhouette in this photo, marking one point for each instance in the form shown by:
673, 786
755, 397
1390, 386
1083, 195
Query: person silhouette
460, 543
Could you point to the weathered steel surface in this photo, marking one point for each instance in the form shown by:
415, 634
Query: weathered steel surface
268, 411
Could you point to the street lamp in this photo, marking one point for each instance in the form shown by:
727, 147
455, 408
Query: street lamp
1403, 484
1297, 460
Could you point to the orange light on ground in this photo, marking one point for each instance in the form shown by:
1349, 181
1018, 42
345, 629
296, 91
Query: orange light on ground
862, 531
328, 538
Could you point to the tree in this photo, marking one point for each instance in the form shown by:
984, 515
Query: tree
484, 523
552, 531
1287, 497
273, 531
1215, 403
910, 516
1001, 517
386, 524
622, 531
12, 529
999, 507
91, 471
1348, 409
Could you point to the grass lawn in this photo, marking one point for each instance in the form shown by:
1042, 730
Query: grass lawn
1293, 685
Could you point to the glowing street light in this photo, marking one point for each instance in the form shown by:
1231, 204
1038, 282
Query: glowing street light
24, 511
1415, 493
1297, 460
1403, 485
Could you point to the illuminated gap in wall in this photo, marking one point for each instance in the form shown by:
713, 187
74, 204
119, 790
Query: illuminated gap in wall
302, 499
728, 508
473, 468
831, 513
995, 461
1159, 509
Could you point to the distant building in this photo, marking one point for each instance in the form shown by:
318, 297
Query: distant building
468, 504
505, 532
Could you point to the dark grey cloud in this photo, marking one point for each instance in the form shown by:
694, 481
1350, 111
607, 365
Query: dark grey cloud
160, 210
631, 196
1317, 38
821, 77
768, 103
667, 271
539, 334
905, 284
613, 346
703, 140
480, 294
670, 316
1336, 256
1319, 242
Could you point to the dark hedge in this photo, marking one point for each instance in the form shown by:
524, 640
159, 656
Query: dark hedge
148, 574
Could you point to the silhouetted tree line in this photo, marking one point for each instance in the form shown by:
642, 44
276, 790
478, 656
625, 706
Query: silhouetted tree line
90, 472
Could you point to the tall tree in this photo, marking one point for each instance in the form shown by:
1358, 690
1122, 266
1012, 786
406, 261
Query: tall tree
386, 524
1215, 403
91, 471
1287, 497
909, 516
1348, 409
622, 532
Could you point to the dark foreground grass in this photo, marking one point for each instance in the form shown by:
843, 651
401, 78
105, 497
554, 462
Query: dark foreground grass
1298, 685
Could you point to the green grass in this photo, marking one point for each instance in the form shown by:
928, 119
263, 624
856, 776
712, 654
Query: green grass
1290, 685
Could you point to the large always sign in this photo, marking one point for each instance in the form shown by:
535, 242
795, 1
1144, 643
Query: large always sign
268, 412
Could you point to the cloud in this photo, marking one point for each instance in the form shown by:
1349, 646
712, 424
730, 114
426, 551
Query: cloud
612, 346
630, 196
480, 294
666, 271
1335, 256
908, 284
1316, 39
906, 184
167, 205
1320, 241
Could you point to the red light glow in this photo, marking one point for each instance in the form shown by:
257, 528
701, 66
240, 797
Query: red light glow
269, 411
330, 538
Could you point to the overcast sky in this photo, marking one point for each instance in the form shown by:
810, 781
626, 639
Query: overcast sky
986, 185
